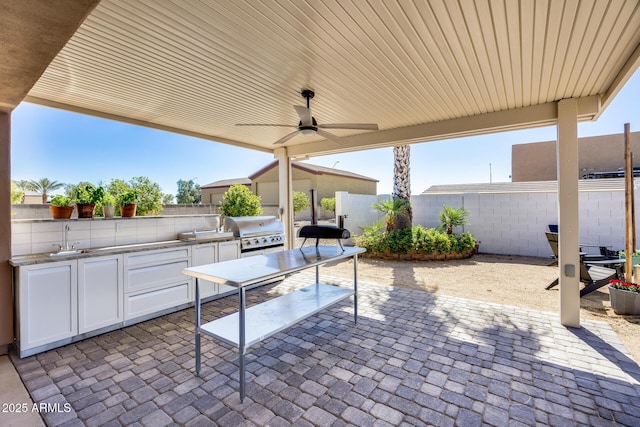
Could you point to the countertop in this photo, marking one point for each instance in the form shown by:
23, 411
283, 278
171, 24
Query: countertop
43, 258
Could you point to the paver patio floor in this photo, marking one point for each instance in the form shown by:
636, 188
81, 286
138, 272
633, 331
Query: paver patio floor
414, 358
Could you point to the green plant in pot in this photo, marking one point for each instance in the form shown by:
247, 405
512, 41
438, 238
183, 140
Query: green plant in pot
61, 207
108, 205
128, 203
86, 195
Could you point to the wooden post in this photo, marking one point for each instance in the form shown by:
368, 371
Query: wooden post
628, 201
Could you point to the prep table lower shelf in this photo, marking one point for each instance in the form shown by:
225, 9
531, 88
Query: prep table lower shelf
272, 316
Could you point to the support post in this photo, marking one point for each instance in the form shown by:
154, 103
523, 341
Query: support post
6, 278
197, 336
285, 194
568, 226
628, 204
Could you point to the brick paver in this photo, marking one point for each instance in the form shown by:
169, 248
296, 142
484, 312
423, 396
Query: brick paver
414, 358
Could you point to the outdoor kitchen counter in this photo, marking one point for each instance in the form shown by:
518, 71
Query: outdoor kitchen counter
252, 325
42, 258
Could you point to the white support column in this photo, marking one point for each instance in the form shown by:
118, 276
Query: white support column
568, 232
285, 194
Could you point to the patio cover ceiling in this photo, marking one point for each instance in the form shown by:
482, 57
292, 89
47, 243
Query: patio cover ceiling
422, 70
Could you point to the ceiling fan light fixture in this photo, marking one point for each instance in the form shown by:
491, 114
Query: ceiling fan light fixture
308, 130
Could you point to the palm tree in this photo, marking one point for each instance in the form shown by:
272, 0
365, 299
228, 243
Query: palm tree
450, 217
401, 185
44, 186
22, 185
392, 208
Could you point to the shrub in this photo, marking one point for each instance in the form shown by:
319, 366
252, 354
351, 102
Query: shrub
240, 201
300, 201
17, 195
328, 204
417, 238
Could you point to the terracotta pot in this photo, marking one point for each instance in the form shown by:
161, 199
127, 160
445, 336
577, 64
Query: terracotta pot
61, 212
108, 211
86, 210
128, 210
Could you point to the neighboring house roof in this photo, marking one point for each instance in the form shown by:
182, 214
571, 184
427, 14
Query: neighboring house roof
314, 169
227, 183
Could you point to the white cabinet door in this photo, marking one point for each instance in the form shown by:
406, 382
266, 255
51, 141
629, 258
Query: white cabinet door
48, 303
100, 292
205, 254
228, 250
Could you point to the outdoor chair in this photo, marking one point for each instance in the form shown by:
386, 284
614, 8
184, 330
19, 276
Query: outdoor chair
594, 277
599, 271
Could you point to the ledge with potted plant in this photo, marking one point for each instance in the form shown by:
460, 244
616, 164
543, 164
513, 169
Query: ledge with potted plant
61, 207
108, 205
86, 195
128, 203
624, 297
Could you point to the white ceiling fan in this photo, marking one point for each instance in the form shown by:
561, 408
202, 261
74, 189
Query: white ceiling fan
309, 126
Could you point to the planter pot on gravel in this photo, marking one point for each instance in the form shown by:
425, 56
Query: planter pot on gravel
624, 302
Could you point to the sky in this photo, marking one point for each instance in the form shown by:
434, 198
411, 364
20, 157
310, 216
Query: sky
70, 148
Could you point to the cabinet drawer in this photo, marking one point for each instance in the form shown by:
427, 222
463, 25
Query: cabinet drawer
156, 257
142, 303
151, 276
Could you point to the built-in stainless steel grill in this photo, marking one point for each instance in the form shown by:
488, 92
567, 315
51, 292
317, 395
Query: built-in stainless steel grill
257, 233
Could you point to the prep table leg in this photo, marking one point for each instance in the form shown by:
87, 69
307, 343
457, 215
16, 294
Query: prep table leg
197, 327
242, 347
355, 288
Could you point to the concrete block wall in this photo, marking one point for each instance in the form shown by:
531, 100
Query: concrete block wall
509, 223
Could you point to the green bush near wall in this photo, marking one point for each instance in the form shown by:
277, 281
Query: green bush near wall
417, 242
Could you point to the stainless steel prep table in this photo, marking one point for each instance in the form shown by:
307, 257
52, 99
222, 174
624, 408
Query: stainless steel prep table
252, 325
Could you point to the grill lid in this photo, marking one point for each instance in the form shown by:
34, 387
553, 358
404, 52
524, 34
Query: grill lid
248, 226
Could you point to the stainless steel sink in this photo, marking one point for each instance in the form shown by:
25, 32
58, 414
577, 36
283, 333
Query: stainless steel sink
67, 252
204, 235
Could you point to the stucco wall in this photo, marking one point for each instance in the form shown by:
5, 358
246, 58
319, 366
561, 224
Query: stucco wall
537, 161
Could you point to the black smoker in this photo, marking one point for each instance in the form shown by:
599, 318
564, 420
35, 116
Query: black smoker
323, 232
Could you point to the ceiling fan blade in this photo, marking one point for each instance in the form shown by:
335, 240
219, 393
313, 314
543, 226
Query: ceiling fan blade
286, 138
361, 126
329, 136
305, 115
264, 124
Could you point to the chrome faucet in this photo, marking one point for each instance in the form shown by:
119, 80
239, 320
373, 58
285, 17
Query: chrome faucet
65, 241
65, 238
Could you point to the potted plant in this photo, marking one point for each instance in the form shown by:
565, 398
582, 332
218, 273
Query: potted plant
61, 207
86, 195
128, 203
108, 205
624, 297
